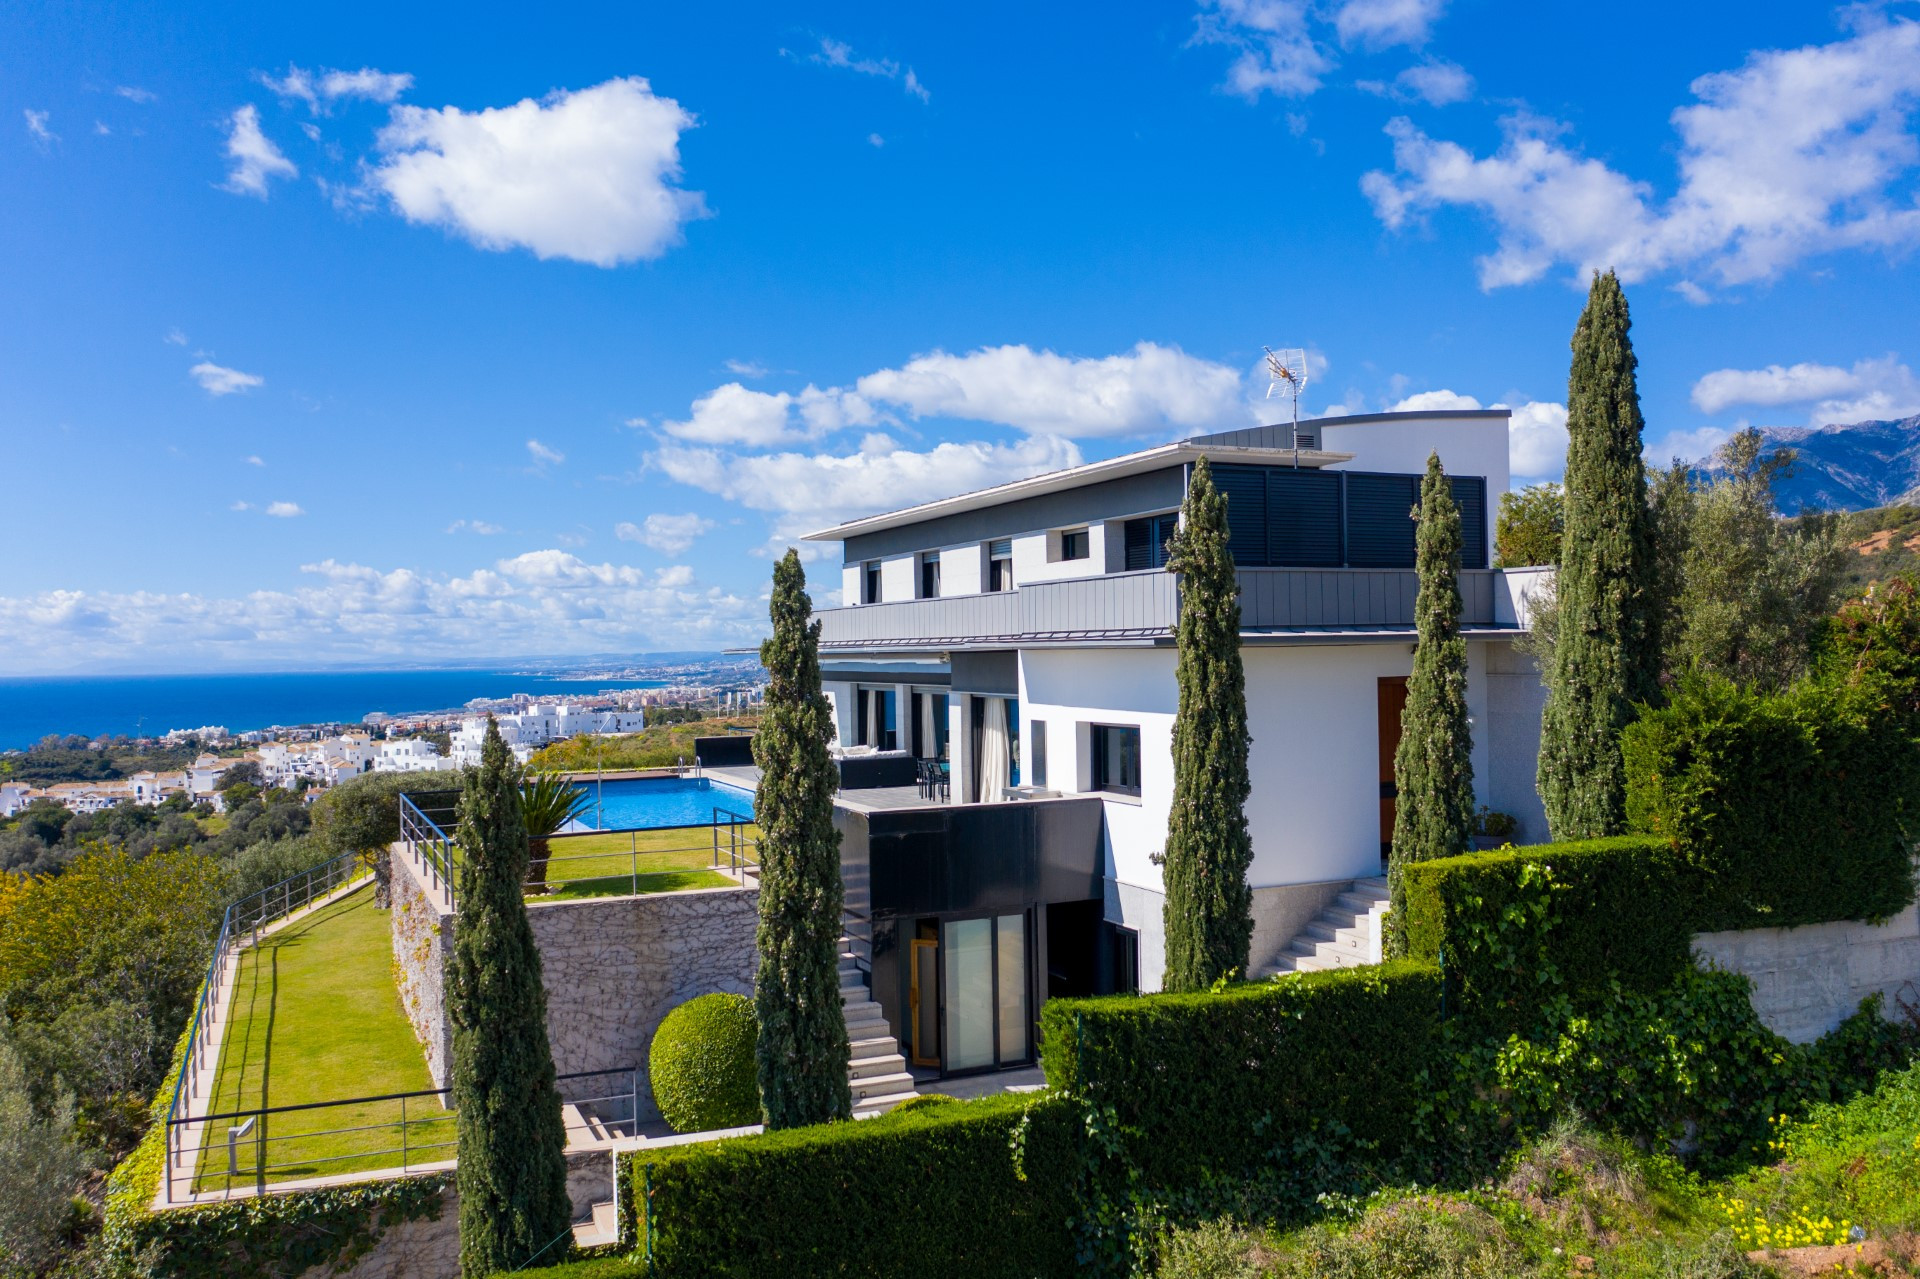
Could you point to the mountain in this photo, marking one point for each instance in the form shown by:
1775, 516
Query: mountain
1849, 467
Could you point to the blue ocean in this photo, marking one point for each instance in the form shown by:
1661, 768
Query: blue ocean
149, 705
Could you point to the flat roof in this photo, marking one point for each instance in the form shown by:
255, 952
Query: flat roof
1214, 446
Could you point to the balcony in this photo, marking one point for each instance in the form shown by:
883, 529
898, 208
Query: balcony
1141, 607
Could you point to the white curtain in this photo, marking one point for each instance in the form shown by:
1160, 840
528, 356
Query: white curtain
929, 741
873, 718
995, 759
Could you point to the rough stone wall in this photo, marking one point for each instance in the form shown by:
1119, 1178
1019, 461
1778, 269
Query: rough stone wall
422, 945
615, 966
1806, 980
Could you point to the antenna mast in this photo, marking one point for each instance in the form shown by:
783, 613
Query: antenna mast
1287, 374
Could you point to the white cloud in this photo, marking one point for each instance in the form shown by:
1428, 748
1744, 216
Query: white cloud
543, 455
241, 506
37, 129
874, 139
668, 534
134, 93
320, 90
1434, 401
545, 601
1796, 153
284, 510
586, 175
837, 53
175, 337
481, 527
1881, 389
804, 491
1537, 439
1380, 24
733, 414
217, 380
254, 157
1693, 444
1436, 83
1150, 388
1277, 52
254, 459
747, 368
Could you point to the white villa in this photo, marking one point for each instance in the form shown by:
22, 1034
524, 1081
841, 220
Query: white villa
1014, 647
542, 722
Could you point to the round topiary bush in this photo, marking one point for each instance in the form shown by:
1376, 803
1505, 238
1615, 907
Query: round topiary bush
702, 1064
925, 1101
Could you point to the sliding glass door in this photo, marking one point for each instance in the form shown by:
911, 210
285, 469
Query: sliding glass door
985, 991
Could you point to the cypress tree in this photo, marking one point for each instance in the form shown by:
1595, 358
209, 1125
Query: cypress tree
1209, 910
802, 1049
1606, 652
512, 1174
1433, 766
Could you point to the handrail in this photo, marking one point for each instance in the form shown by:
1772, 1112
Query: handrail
240, 924
435, 848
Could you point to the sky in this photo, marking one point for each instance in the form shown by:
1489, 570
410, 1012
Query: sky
341, 335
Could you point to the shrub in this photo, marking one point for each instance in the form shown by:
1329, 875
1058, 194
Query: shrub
1419, 1238
1795, 805
702, 1064
925, 1101
971, 1189
1291, 1079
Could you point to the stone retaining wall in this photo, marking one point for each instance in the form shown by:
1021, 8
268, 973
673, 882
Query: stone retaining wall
422, 946
1806, 980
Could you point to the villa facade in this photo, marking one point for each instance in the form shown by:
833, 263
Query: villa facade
1013, 649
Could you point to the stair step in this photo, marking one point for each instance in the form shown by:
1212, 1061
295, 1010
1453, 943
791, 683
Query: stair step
599, 1230
880, 1086
874, 1046
858, 1072
853, 992
864, 1011
874, 1027
1359, 905
1378, 883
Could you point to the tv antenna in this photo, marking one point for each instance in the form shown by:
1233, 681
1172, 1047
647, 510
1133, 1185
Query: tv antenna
1287, 374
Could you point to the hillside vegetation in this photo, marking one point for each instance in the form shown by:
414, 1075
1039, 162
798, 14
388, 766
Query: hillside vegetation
659, 747
1885, 541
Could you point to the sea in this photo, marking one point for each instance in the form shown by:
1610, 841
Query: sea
149, 705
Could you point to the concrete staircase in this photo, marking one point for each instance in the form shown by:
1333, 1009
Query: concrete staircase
598, 1230
876, 1071
1345, 935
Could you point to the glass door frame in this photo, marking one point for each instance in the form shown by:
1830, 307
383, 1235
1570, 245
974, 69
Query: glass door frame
1029, 949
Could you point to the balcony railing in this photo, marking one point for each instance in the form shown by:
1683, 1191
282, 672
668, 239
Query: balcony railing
1145, 605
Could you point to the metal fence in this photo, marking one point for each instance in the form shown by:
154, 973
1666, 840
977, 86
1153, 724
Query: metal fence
240, 926
727, 845
427, 840
391, 1132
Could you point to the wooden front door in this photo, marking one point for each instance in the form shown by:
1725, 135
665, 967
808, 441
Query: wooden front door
1392, 702
923, 1003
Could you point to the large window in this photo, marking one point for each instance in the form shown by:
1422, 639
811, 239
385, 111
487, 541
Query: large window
1116, 759
877, 724
1000, 565
870, 582
1072, 544
930, 575
1147, 540
1037, 732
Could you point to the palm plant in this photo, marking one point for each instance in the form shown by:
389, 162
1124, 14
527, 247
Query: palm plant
550, 802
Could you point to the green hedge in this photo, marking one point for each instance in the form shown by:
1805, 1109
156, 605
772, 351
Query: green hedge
942, 1191
1597, 911
1229, 1082
1796, 805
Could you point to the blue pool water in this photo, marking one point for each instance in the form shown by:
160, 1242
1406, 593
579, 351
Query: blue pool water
650, 803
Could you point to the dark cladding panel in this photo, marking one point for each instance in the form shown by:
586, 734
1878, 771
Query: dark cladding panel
995, 673
1470, 495
1245, 488
1303, 518
984, 856
1380, 519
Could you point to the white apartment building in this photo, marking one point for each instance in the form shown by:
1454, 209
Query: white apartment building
412, 755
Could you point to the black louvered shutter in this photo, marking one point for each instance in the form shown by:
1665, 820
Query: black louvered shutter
1470, 495
1245, 488
1303, 518
1139, 544
1380, 519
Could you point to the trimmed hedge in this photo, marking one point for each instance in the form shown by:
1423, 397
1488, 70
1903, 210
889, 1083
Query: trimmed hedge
702, 1064
969, 1189
1798, 806
1598, 910
1222, 1083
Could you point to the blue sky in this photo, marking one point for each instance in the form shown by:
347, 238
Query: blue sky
339, 336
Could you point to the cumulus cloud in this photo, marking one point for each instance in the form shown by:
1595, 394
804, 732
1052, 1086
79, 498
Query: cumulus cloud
253, 156
218, 380
747, 368
547, 601
668, 534
254, 459
805, 491
587, 175
284, 510
1796, 153
481, 527
1275, 49
37, 129
733, 414
544, 455
1380, 24
319, 90
1435, 82
1880, 389
839, 54
1434, 401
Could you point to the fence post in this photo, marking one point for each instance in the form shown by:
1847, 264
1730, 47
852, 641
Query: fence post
634, 869
403, 1133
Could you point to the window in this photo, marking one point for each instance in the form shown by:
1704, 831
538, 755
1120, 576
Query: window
930, 575
1147, 540
1000, 565
1037, 730
870, 583
1071, 544
1116, 759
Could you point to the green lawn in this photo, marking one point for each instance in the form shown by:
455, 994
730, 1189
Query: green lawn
645, 861
316, 1017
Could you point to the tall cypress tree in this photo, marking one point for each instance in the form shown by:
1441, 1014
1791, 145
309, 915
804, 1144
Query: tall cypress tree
1209, 910
1433, 767
1606, 654
512, 1174
802, 1047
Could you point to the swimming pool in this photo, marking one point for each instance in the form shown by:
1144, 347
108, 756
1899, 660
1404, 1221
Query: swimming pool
652, 802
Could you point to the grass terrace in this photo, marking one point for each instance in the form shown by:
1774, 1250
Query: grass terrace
620, 863
316, 1018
